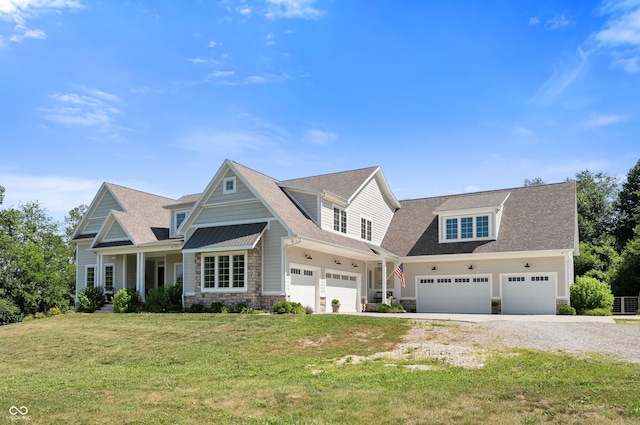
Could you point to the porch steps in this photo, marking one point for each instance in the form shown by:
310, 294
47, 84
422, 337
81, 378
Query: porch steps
106, 308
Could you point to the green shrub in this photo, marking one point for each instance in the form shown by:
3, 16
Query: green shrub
216, 307
597, 312
588, 293
237, 308
39, 315
196, 308
163, 300
90, 299
567, 310
393, 308
288, 307
126, 300
54, 311
9, 312
308, 309
383, 308
27, 318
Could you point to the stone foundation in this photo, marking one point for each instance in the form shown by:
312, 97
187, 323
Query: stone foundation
409, 305
560, 303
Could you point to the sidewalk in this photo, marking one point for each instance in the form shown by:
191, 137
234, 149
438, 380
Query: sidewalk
479, 318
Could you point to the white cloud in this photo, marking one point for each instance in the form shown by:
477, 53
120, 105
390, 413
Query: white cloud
534, 20
561, 79
21, 11
522, 131
623, 28
217, 74
629, 64
196, 60
227, 143
319, 137
89, 108
213, 44
601, 120
557, 22
58, 194
293, 9
244, 10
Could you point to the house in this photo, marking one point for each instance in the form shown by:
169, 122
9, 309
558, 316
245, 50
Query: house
249, 238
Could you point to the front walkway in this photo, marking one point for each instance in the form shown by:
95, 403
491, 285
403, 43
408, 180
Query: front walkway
479, 318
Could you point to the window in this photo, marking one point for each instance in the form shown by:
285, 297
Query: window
180, 216
365, 229
91, 276
179, 273
225, 272
229, 185
466, 228
452, 228
108, 277
339, 220
482, 226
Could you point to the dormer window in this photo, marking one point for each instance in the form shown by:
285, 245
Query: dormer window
229, 185
466, 228
339, 220
180, 216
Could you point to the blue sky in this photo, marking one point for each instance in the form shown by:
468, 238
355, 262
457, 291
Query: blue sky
446, 97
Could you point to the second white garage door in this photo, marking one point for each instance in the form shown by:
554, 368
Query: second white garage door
343, 287
529, 293
454, 294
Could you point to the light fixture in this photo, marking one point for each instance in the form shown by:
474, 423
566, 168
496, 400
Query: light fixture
471, 267
308, 257
337, 262
433, 268
354, 265
527, 266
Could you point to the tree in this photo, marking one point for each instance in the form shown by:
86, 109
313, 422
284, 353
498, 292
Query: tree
628, 208
595, 261
589, 293
596, 194
626, 275
73, 219
537, 181
1, 194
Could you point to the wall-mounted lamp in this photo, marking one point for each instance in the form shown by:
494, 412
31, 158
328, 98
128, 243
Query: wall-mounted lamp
527, 266
308, 257
471, 267
434, 268
337, 262
354, 265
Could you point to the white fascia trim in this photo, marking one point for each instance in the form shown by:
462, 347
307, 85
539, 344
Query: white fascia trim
106, 226
485, 256
221, 249
384, 185
232, 203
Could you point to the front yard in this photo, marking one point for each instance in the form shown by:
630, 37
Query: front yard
265, 369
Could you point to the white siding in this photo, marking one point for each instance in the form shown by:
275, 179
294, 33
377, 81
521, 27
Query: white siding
326, 215
371, 204
241, 193
308, 201
272, 277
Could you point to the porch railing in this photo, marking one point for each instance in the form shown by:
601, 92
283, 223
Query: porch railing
625, 305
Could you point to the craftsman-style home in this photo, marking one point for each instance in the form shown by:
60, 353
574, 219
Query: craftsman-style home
254, 239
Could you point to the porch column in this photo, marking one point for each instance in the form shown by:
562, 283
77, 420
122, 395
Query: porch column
99, 271
140, 272
384, 281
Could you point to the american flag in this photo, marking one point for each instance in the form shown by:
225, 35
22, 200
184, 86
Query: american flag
399, 271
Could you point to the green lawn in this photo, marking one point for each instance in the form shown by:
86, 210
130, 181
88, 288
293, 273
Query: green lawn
261, 369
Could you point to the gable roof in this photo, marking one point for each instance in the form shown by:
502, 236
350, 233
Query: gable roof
473, 201
534, 218
298, 224
344, 184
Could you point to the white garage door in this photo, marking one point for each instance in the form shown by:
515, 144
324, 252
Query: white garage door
303, 287
529, 293
343, 287
454, 294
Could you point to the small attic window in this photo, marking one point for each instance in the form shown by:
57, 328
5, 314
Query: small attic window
229, 185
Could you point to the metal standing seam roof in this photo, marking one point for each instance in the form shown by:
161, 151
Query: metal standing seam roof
233, 236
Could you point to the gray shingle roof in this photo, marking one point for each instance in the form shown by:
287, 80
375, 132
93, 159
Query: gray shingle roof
534, 218
475, 200
343, 184
233, 236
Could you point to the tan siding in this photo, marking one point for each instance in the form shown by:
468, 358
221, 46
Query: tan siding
189, 261
232, 213
241, 193
493, 267
116, 233
272, 258
371, 204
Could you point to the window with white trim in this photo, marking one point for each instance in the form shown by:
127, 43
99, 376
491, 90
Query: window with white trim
90, 276
365, 229
466, 228
180, 217
339, 220
229, 185
108, 277
224, 272
179, 272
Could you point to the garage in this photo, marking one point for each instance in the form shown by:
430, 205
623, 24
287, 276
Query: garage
304, 287
454, 294
344, 287
529, 293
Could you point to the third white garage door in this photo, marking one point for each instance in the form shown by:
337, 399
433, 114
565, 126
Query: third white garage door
344, 287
